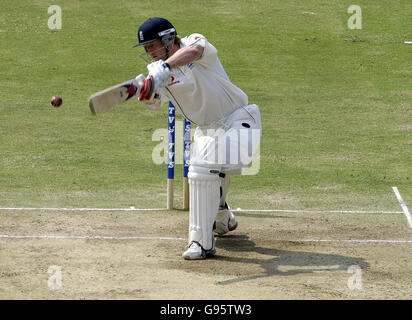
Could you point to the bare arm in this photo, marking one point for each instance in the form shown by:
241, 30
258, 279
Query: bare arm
184, 56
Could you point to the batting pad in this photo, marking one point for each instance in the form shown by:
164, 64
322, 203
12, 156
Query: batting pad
204, 186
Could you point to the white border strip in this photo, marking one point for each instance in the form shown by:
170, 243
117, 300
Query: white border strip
77, 237
165, 209
84, 209
311, 211
403, 205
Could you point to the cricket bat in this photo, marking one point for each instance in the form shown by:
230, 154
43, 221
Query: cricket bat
113, 96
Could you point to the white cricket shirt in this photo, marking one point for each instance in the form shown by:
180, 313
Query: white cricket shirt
201, 90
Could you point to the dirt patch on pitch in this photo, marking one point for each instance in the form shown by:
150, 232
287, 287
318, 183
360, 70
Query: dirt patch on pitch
137, 255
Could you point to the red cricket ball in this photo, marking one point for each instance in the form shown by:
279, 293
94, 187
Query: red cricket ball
56, 101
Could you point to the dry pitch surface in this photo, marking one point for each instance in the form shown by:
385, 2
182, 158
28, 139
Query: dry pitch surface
137, 255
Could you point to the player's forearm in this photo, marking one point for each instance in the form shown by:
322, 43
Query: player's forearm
184, 56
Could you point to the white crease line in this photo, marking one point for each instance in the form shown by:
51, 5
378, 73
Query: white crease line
356, 240
74, 237
165, 209
403, 205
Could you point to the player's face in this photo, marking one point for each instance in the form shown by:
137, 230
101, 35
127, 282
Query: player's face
156, 50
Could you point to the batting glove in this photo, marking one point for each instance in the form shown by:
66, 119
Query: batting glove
160, 71
137, 84
146, 92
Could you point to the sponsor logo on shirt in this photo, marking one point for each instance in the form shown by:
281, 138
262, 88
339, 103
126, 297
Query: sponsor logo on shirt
190, 65
173, 81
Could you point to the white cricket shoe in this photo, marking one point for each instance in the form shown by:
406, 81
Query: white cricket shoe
196, 252
225, 221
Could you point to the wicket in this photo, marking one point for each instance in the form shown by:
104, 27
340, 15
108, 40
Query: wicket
171, 158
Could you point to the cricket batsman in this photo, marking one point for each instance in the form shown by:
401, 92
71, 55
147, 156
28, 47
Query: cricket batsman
187, 71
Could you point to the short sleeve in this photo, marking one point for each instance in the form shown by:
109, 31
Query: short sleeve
196, 38
209, 51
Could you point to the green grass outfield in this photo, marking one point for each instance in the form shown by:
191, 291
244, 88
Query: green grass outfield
336, 103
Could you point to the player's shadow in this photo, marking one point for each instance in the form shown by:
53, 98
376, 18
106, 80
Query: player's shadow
297, 262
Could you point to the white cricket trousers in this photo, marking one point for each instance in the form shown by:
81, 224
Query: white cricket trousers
230, 142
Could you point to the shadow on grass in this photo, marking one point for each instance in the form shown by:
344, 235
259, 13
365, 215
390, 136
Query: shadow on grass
262, 215
298, 262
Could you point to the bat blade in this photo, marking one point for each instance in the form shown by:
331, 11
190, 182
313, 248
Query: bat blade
113, 96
